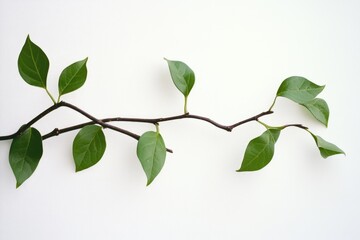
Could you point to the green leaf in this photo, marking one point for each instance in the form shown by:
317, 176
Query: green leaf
25, 153
319, 109
88, 147
260, 151
299, 89
326, 149
182, 76
72, 77
151, 152
33, 64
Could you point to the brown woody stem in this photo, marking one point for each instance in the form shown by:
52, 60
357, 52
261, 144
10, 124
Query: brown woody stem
104, 122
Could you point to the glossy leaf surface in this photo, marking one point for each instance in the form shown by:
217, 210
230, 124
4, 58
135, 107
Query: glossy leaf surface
73, 77
182, 76
326, 149
151, 152
260, 151
88, 147
25, 153
33, 64
299, 89
319, 109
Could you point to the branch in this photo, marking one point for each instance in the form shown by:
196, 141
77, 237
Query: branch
229, 128
104, 122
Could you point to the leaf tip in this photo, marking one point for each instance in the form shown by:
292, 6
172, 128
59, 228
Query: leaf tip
149, 182
242, 169
79, 168
341, 152
19, 183
325, 156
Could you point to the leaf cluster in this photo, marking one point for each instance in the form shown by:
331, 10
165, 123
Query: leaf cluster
300, 90
89, 144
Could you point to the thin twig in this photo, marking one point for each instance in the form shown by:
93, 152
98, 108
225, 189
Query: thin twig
30, 123
254, 118
296, 125
103, 124
98, 121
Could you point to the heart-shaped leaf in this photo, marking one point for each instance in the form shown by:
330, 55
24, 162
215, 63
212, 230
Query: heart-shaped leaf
326, 149
33, 64
25, 153
151, 152
260, 151
319, 109
182, 76
72, 77
88, 147
299, 89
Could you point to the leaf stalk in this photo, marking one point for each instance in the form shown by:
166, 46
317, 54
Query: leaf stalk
52, 98
185, 105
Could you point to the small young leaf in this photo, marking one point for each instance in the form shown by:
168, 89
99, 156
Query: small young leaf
25, 153
72, 77
182, 76
326, 149
260, 151
319, 109
88, 147
299, 89
33, 64
151, 152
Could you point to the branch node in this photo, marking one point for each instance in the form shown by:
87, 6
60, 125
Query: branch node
21, 130
56, 131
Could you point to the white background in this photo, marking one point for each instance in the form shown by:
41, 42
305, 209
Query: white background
240, 52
